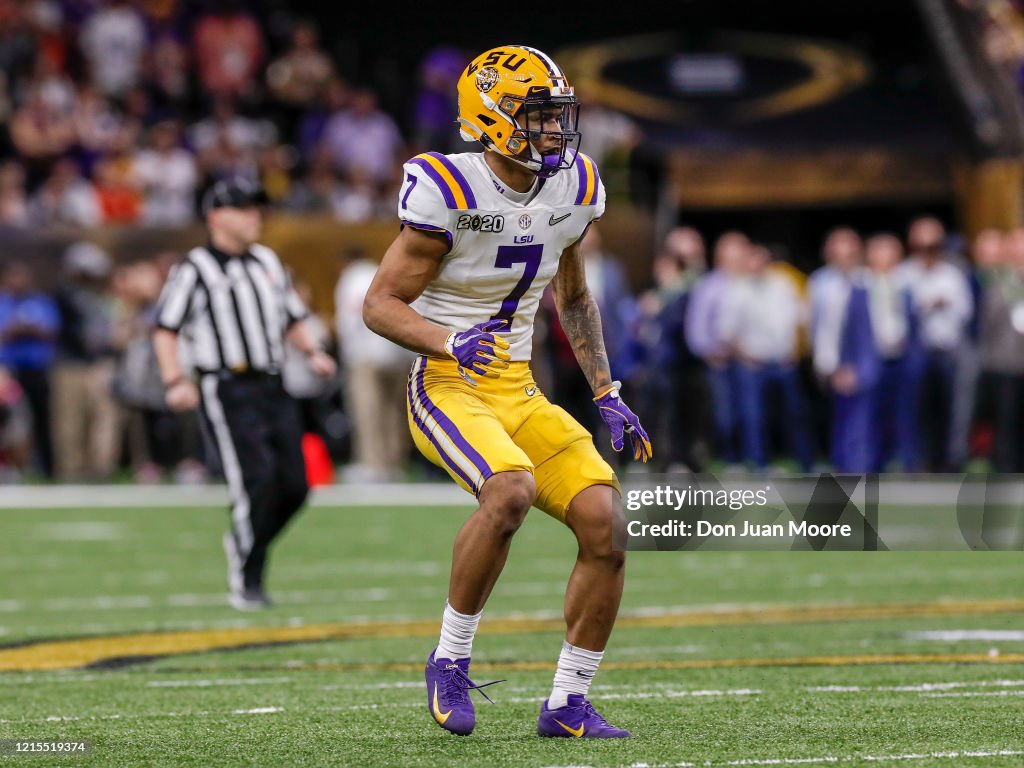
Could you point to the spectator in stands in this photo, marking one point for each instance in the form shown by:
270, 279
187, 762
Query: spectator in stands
225, 124
277, 165
319, 192
895, 332
14, 210
56, 88
672, 379
17, 43
759, 321
364, 136
167, 175
113, 41
15, 429
29, 323
704, 335
168, 73
844, 352
297, 78
436, 102
842, 252
46, 20
943, 304
85, 416
335, 99
99, 127
228, 144
173, 439
1002, 342
119, 198
300, 380
359, 197
66, 198
41, 135
374, 374
228, 47
128, 327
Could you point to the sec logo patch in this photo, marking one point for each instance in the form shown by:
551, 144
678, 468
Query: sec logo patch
525, 222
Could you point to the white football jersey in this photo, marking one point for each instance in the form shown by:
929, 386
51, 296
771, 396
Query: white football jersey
502, 254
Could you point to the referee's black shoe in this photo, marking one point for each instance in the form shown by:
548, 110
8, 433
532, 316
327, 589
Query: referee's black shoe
241, 597
249, 599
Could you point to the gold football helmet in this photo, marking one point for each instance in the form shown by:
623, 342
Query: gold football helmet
508, 95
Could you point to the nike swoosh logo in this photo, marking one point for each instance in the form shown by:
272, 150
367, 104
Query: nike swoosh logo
442, 718
577, 732
587, 675
552, 221
531, 391
463, 340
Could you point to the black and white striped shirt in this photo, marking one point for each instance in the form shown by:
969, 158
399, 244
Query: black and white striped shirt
233, 310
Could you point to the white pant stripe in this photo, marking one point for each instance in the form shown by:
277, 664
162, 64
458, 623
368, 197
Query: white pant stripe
232, 468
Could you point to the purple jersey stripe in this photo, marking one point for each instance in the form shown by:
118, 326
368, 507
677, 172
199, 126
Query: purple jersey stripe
429, 228
433, 441
457, 175
449, 428
581, 173
449, 198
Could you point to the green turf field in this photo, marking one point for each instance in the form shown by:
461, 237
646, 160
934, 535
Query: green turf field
720, 659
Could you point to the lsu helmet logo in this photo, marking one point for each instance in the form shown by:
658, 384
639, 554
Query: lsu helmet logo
486, 79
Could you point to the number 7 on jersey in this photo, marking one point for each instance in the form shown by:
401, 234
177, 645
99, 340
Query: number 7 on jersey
509, 256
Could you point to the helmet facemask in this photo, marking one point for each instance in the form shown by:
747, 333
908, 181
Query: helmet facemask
533, 120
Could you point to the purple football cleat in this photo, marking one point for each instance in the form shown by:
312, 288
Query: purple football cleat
448, 687
578, 719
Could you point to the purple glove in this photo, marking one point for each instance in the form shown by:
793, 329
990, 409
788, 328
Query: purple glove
622, 421
481, 349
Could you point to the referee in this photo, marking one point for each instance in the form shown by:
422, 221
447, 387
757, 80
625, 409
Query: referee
233, 302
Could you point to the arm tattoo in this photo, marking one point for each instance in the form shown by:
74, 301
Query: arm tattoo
581, 322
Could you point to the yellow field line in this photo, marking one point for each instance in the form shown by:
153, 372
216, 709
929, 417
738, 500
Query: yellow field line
72, 653
784, 661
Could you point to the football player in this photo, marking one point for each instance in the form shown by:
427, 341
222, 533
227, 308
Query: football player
482, 235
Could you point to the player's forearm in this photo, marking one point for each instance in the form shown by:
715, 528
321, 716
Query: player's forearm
165, 345
581, 322
396, 321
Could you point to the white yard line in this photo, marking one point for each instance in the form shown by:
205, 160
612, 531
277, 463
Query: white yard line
971, 694
141, 716
153, 497
258, 711
80, 531
960, 635
539, 697
826, 759
923, 687
216, 682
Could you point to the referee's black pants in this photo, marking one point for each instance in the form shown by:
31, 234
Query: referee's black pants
255, 427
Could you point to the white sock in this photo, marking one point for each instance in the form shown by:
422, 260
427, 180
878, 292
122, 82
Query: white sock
576, 670
457, 631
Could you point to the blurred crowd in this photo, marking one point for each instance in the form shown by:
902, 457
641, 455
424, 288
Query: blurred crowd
900, 353
124, 111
